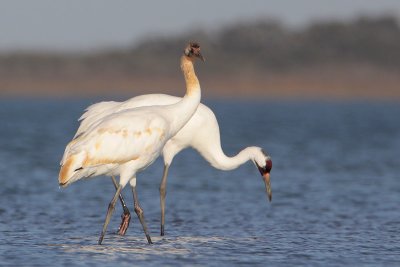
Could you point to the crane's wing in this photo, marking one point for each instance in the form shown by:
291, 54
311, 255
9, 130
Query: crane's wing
95, 112
121, 137
102, 109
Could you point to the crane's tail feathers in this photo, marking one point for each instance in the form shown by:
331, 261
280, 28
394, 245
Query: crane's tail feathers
71, 169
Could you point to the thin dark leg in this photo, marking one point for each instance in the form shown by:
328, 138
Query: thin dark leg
126, 216
110, 210
140, 214
163, 193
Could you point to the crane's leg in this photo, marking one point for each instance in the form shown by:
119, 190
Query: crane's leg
126, 216
110, 210
163, 192
140, 214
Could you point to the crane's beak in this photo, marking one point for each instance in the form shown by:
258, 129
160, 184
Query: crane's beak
267, 181
265, 172
199, 55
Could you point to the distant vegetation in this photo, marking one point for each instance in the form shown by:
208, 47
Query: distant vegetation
353, 58
261, 45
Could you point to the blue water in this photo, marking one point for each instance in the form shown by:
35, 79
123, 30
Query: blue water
335, 180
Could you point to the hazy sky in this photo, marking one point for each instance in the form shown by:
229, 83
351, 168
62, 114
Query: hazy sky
76, 25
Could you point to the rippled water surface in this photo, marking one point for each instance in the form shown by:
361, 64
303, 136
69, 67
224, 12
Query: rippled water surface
336, 191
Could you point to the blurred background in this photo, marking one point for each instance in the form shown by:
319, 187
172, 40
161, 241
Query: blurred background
315, 83
306, 49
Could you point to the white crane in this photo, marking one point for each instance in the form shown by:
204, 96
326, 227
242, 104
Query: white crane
126, 142
201, 133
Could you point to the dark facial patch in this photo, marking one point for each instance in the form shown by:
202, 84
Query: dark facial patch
194, 45
195, 49
267, 168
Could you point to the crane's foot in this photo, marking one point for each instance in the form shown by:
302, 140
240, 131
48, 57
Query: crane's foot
149, 239
123, 227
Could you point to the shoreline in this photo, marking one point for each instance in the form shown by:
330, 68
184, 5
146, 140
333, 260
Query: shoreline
324, 83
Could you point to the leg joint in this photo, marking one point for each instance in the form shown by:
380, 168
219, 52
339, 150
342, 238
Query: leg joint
163, 190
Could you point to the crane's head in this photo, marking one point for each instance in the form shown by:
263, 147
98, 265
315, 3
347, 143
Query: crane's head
192, 51
264, 164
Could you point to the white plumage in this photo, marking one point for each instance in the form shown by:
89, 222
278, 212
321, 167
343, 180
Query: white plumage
201, 132
125, 142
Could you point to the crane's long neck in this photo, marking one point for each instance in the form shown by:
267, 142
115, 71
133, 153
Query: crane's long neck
217, 158
192, 83
182, 111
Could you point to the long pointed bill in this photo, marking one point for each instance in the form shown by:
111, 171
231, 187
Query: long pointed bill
267, 182
199, 55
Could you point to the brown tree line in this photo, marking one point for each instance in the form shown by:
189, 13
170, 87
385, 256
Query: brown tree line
263, 45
